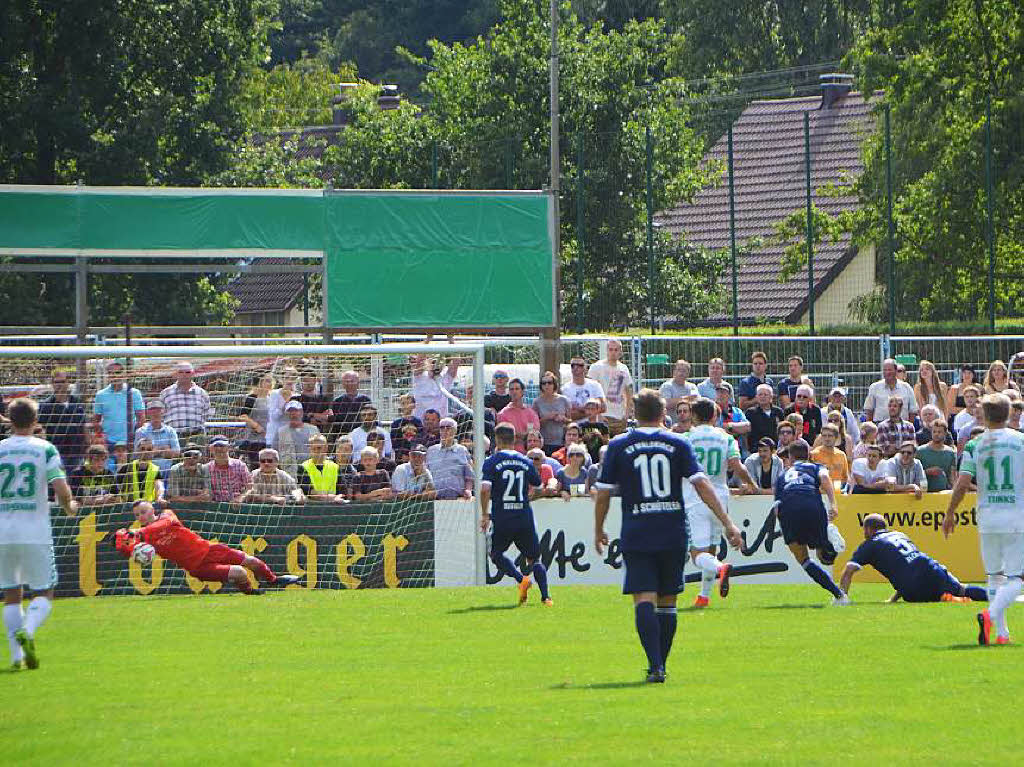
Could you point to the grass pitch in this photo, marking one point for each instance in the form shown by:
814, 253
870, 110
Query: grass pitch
457, 676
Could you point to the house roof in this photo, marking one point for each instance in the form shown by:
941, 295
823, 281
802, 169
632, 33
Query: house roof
769, 185
265, 291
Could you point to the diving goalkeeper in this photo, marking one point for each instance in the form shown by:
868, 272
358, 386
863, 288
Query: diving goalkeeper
192, 553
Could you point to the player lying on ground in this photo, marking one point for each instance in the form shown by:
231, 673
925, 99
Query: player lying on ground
647, 465
915, 576
509, 481
995, 459
195, 555
27, 465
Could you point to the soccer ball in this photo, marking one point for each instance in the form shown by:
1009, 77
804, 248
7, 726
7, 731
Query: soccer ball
143, 553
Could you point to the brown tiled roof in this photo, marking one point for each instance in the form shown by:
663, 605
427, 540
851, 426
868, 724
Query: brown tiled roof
266, 292
770, 184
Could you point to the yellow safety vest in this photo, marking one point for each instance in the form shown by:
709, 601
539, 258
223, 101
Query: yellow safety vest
149, 484
323, 479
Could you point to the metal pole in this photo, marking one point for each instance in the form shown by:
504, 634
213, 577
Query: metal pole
650, 225
989, 195
732, 241
81, 298
129, 432
479, 548
810, 224
579, 231
892, 224
551, 339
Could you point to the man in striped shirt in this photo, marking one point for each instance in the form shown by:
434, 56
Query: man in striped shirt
186, 404
229, 477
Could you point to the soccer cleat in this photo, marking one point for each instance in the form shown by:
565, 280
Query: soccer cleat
286, 580
28, 646
656, 676
842, 601
984, 627
953, 598
547, 602
827, 554
701, 601
1003, 640
723, 579
523, 587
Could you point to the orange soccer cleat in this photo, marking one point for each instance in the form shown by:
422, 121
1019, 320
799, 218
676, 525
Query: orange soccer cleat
1003, 640
953, 598
984, 627
701, 601
524, 588
548, 602
723, 579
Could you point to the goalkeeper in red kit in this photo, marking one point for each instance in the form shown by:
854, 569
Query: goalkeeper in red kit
192, 553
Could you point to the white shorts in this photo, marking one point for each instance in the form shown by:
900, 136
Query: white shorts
27, 564
1002, 553
704, 527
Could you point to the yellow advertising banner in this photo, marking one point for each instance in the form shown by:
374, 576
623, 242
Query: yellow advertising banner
921, 521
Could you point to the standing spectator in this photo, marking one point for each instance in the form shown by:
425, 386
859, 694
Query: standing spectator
166, 446
413, 479
804, 406
837, 401
731, 418
868, 437
894, 431
368, 423
617, 384
63, 416
270, 484
716, 377
905, 471
930, 388
929, 414
430, 384
370, 483
831, 457
788, 386
764, 417
316, 409
683, 421
318, 475
901, 372
938, 459
229, 478
279, 397
876, 405
406, 404
140, 480
518, 414
498, 398
186, 404
594, 432
292, 439
764, 467
449, 464
757, 377
955, 394
580, 389
869, 473
92, 483
256, 415
110, 407
997, 379
189, 481
553, 410
346, 406
431, 427
677, 388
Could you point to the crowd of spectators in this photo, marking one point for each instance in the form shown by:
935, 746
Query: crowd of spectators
299, 443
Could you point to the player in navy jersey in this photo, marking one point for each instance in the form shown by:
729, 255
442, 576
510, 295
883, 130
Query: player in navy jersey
647, 466
803, 517
915, 576
508, 481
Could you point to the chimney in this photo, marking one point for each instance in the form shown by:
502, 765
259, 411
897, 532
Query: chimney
388, 98
341, 111
833, 87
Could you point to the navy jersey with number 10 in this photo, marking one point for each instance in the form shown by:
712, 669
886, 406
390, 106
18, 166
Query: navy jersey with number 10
648, 465
510, 476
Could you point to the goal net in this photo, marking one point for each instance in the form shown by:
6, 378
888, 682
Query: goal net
333, 463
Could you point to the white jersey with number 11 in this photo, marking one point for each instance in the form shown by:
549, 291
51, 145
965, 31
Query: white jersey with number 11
996, 461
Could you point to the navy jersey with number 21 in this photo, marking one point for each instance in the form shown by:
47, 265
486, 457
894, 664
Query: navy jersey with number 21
511, 475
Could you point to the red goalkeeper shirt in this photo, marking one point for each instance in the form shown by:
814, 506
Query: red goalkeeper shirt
173, 541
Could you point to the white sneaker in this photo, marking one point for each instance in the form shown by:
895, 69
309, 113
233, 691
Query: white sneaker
842, 601
836, 538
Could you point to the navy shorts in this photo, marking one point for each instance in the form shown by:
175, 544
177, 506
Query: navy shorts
804, 520
658, 571
521, 532
932, 581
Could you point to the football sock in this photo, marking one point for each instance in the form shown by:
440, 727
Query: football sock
822, 578
259, 567
1005, 597
994, 582
667, 630
36, 614
648, 630
709, 572
506, 566
976, 593
13, 622
707, 583
540, 575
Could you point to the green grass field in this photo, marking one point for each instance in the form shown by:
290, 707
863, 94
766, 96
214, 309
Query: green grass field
455, 676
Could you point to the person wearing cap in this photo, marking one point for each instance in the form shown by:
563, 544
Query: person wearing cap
368, 423
292, 438
498, 398
187, 406
189, 481
763, 466
747, 391
166, 445
413, 479
730, 418
837, 401
905, 471
141, 480
450, 465
580, 389
318, 475
764, 417
572, 478
518, 414
110, 407
229, 477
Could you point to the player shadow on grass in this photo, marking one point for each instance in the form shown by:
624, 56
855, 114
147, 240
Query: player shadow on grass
599, 685
481, 608
966, 646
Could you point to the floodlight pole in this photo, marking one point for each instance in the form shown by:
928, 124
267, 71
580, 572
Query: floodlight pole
551, 338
